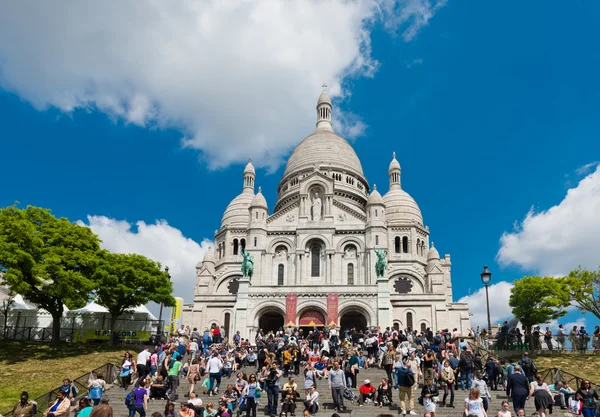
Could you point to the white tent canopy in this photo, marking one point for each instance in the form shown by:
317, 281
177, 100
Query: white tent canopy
144, 310
92, 307
20, 304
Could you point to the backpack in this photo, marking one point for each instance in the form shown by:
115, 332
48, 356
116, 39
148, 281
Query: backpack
529, 367
469, 364
410, 378
130, 399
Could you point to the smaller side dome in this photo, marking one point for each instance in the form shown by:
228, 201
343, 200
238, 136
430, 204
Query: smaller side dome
433, 254
249, 168
375, 197
259, 200
209, 257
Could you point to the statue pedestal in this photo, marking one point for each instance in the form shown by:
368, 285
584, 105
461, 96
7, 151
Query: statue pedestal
241, 308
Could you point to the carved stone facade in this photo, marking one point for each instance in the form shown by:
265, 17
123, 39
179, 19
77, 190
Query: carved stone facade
319, 242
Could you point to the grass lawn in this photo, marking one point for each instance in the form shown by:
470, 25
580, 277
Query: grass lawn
38, 368
585, 366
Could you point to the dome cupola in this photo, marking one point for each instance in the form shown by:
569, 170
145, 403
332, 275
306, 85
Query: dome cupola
324, 108
249, 175
259, 200
237, 214
433, 254
394, 172
375, 197
401, 208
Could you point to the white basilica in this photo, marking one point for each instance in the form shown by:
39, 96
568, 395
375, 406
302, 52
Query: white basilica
314, 259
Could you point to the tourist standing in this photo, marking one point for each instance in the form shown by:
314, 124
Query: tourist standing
140, 400
214, 366
588, 396
517, 387
96, 389
428, 393
249, 393
142, 362
448, 380
337, 384
173, 371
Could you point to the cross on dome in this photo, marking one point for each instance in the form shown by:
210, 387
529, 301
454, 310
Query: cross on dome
324, 86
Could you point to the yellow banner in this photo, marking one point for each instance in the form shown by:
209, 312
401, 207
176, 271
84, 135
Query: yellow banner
176, 313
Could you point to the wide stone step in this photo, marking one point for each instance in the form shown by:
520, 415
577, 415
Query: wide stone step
117, 398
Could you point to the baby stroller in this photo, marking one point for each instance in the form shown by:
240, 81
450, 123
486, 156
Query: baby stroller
350, 395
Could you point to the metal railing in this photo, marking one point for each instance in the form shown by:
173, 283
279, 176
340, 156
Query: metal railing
109, 371
556, 343
37, 334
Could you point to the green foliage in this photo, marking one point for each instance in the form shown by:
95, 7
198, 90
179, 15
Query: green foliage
536, 300
125, 281
584, 288
49, 261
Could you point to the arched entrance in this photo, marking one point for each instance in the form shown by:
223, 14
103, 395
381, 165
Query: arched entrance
270, 321
353, 319
311, 318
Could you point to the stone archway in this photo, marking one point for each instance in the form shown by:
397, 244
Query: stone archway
353, 319
270, 321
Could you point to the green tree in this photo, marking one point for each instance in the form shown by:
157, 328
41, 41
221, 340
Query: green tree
125, 281
47, 260
584, 288
536, 300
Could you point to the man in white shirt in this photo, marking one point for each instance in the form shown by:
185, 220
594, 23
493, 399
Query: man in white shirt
142, 363
213, 367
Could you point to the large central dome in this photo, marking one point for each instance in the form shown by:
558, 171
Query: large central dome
324, 148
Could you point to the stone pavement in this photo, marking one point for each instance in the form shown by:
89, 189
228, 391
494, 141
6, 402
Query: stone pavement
117, 399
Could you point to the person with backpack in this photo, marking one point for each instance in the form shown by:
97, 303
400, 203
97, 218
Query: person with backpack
406, 381
137, 402
466, 365
528, 367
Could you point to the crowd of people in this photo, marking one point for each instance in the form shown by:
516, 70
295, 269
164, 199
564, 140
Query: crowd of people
425, 367
508, 338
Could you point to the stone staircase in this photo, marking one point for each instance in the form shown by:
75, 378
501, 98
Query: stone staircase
117, 399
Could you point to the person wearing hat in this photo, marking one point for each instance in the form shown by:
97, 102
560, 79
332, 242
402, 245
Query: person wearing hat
367, 391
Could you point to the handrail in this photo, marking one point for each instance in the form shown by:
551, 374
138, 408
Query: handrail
110, 371
549, 375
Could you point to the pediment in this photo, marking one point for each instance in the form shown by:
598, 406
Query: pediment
344, 213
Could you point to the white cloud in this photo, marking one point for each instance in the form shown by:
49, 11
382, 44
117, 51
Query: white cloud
159, 242
235, 77
585, 169
499, 309
558, 240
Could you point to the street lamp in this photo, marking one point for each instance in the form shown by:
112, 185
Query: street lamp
160, 321
486, 278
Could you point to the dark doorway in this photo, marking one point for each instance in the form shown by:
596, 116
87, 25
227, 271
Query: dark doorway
270, 321
353, 319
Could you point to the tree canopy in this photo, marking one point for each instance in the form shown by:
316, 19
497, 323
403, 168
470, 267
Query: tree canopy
584, 288
48, 260
125, 281
538, 299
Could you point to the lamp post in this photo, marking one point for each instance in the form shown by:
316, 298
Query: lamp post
160, 321
486, 278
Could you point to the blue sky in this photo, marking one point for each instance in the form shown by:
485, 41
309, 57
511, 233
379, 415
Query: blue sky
492, 110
